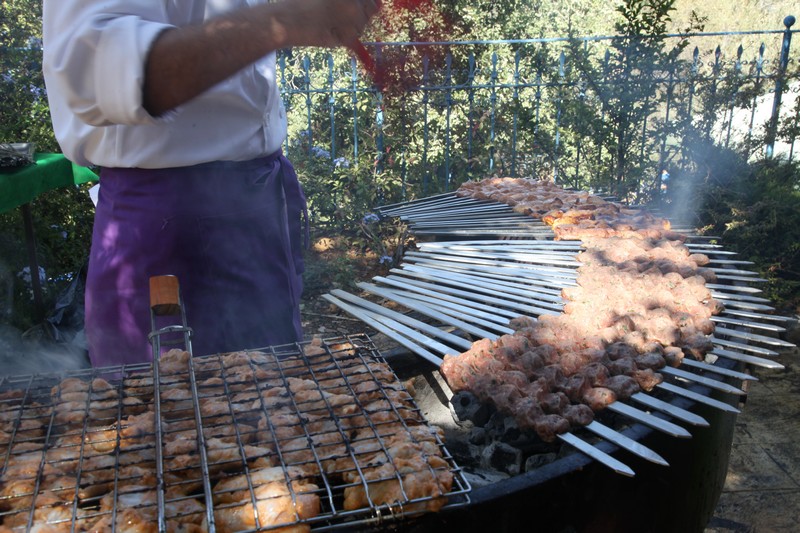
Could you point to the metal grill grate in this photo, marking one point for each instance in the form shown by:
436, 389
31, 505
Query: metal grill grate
320, 434
478, 286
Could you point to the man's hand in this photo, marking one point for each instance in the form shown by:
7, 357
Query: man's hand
185, 62
327, 23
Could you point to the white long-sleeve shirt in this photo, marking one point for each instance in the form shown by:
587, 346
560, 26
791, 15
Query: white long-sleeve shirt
94, 57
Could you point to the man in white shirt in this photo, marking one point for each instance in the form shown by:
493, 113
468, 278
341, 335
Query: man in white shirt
177, 101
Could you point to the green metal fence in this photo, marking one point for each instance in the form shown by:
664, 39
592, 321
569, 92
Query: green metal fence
608, 113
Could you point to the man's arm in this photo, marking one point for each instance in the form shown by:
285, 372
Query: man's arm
184, 62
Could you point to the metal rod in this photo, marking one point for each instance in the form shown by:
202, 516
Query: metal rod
508, 260
735, 288
548, 259
741, 279
700, 380
749, 359
542, 283
755, 316
773, 341
552, 275
503, 232
747, 324
649, 420
738, 297
718, 370
626, 443
403, 319
698, 397
389, 332
598, 455
747, 305
668, 408
503, 244
745, 347
536, 311
454, 307
430, 289
442, 316
512, 291
502, 275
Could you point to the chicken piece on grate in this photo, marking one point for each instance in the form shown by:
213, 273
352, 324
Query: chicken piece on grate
137, 511
281, 496
403, 473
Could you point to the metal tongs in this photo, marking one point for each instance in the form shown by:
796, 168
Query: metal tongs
165, 300
376, 72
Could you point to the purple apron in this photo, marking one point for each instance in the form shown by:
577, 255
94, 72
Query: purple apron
230, 231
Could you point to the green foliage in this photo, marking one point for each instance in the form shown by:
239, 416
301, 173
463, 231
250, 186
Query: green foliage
24, 115
62, 218
621, 92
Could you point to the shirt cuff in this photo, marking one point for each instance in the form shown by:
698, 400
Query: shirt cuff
119, 76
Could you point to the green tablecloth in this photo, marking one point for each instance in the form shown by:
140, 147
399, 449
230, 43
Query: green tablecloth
51, 171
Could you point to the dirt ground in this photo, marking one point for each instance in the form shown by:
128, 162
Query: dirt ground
332, 266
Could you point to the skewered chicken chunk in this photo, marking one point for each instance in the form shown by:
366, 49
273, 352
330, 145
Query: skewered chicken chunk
640, 303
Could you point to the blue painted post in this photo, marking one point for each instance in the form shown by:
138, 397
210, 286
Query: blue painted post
354, 100
772, 125
516, 117
692, 77
424, 89
606, 60
284, 94
448, 104
642, 145
493, 106
737, 71
332, 107
307, 88
714, 82
471, 107
581, 98
379, 147
561, 75
538, 111
663, 152
753, 104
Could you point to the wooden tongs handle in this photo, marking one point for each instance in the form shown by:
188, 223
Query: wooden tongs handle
165, 296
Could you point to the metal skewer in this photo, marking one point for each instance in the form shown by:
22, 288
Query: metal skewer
752, 337
749, 359
708, 382
649, 420
626, 443
669, 387
598, 455
668, 408
748, 324
458, 319
716, 369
